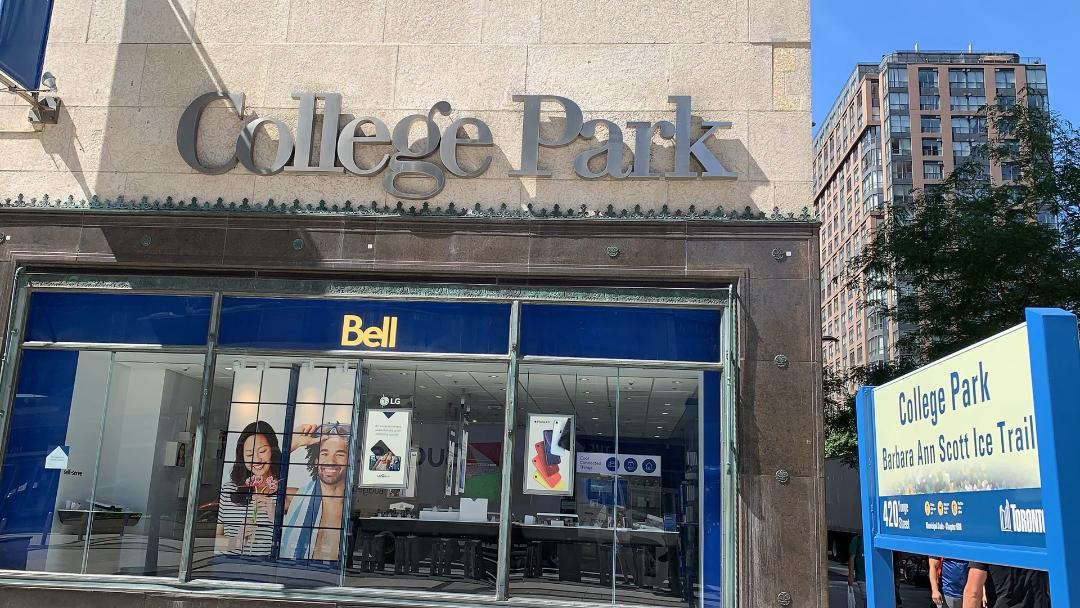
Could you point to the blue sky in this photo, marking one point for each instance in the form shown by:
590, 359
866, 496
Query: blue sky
845, 32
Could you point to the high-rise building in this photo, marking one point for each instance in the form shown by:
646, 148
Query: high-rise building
897, 127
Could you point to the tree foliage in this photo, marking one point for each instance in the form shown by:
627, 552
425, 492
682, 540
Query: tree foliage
966, 257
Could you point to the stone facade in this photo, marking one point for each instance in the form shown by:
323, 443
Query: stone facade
126, 69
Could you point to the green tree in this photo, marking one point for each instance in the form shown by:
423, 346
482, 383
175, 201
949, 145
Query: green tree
966, 257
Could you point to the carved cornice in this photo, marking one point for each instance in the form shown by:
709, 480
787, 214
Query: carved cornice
403, 210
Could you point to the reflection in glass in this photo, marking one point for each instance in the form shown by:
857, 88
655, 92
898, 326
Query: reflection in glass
425, 511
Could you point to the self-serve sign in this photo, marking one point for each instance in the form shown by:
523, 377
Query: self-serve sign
353, 332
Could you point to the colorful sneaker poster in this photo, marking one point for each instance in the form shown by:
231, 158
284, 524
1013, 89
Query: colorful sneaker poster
549, 455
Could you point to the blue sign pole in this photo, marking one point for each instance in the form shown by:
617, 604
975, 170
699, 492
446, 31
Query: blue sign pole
1055, 379
880, 591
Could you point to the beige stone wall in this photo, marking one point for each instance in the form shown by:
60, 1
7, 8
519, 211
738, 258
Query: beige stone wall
127, 68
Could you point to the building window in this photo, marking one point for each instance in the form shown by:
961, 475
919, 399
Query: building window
968, 125
1036, 79
966, 78
901, 195
900, 123
933, 170
901, 170
898, 101
898, 77
1038, 101
961, 152
1006, 101
967, 103
1010, 172
900, 146
931, 124
928, 77
929, 102
931, 146
1005, 79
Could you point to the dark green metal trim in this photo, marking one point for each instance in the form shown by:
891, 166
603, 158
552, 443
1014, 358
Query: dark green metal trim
424, 210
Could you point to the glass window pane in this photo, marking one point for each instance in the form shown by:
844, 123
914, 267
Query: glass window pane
425, 512
563, 536
140, 496
276, 473
658, 533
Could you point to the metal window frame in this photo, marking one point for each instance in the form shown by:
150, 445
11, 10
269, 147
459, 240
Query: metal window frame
26, 283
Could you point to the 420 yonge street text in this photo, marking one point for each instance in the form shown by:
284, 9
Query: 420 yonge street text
408, 158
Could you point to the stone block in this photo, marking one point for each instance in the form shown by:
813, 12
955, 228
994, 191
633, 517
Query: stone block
469, 77
363, 74
779, 21
60, 184
232, 187
141, 21
778, 408
142, 139
643, 21
70, 21
241, 21
602, 77
310, 189
791, 78
336, 21
732, 195
594, 195
780, 146
511, 21
175, 74
723, 76
97, 74
423, 22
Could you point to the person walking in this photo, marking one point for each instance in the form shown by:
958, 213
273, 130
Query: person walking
856, 571
996, 586
947, 580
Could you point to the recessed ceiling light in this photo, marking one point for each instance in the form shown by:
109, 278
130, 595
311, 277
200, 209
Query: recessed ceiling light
656, 436
584, 379
586, 392
678, 382
663, 413
668, 404
591, 402
659, 428
438, 396
421, 386
404, 373
595, 418
493, 375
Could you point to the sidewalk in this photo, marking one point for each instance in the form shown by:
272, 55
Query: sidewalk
912, 597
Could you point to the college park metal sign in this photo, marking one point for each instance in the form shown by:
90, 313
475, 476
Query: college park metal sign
405, 158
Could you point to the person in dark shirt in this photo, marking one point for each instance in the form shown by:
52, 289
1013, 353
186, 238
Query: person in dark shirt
1006, 587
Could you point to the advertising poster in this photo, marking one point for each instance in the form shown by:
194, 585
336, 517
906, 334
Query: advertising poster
384, 459
286, 464
549, 454
956, 450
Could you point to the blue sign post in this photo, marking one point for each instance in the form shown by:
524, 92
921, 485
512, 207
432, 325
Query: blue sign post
968, 458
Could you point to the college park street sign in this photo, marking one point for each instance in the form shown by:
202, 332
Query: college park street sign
337, 147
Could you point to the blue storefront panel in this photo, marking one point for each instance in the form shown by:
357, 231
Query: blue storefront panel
613, 332
118, 318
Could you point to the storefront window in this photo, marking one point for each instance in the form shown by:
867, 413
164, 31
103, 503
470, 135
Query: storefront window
378, 468
615, 516
96, 474
430, 522
276, 471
